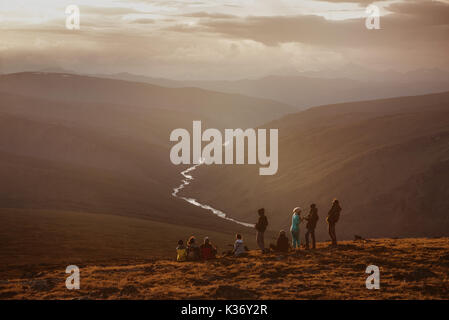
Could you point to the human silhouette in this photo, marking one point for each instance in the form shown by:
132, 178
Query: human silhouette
332, 218
312, 219
261, 226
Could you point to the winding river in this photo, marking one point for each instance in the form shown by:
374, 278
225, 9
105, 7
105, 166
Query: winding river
187, 179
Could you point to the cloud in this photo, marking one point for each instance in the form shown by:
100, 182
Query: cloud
109, 10
208, 15
143, 21
215, 42
409, 23
365, 2
422, 12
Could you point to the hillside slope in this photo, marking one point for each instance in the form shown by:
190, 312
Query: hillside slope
86, 146
409, 269
232, 110
303, 91
36, 237
78, 143
386, 160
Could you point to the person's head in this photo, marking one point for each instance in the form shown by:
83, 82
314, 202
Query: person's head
238, 236
313, 206
206, 240
261, 211
335, 201
180, 243
191, 240
297, 210
282, 233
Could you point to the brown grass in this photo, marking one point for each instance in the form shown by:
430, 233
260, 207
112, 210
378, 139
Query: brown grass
35, 237
409, 269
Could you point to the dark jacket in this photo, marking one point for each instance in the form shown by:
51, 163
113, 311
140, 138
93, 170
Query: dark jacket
312, 218
262, 224
282, 244
334, 214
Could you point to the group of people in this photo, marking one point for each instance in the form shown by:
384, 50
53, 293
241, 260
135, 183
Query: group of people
194, 252
207, 250
282, 243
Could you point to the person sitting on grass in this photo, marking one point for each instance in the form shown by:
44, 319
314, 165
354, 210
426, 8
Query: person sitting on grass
282, 243
239, 247
208, 250
181, 251
193, 251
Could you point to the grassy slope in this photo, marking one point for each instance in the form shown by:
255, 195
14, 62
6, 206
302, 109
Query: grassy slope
409, 269
386, 160
33, 237
74, 143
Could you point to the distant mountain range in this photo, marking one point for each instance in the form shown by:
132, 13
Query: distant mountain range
310, 88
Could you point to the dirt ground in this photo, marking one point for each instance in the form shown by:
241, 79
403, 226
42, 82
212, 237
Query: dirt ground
409, 269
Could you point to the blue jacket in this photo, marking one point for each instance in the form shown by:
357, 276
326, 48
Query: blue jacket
295, 223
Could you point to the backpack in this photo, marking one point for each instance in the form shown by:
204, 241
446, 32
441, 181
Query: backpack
335, 214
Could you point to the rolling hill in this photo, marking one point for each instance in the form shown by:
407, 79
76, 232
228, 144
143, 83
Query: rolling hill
86, 145
233, 110
306, 90
386, 160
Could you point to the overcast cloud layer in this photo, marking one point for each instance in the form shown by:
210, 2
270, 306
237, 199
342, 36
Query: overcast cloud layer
219, 39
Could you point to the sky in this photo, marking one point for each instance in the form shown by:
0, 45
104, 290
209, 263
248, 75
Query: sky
222, 39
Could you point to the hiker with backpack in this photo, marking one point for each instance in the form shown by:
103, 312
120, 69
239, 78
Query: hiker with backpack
332, 218
312, 219
261, 226
208, 250
294, 229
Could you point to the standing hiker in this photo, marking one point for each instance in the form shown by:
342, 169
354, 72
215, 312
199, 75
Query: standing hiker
294, 229
332, 218
261, 226
312, 219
